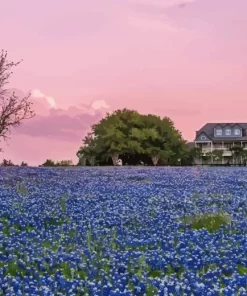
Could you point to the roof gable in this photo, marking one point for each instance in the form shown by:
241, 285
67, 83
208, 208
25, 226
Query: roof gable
237, 125
202, 137
219, 125
208, 129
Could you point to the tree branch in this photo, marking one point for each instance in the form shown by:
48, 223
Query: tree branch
13, 110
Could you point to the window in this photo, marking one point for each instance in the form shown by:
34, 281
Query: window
203, 138
228, 132
218, 132
237, 132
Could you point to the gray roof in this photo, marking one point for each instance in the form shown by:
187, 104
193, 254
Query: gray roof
208, 129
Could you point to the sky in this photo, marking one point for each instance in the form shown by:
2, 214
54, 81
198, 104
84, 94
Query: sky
83, 58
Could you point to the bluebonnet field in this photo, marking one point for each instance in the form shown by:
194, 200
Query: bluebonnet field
121, 231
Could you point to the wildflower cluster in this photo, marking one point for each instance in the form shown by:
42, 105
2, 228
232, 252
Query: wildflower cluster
123, 231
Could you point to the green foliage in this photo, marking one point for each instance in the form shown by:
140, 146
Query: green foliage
244, 154
21, 189
128, 132
217, 154
142, 265
242, 270
212, 222
12, 268
63, 202
237, 150
7, 163
49, 162
238, 153
155, 273
151, 290
89, 239
195, 152
88, 150
64, 163
24, 164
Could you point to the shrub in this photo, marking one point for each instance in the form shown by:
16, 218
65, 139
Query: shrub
210, 221
48, 162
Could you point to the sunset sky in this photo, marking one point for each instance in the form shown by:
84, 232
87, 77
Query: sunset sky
182, 59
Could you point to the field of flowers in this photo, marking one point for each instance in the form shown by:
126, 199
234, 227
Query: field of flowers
122, 231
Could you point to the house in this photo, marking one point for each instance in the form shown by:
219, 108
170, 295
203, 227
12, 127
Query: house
223, 137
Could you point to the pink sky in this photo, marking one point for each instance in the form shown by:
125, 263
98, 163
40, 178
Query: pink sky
84, 57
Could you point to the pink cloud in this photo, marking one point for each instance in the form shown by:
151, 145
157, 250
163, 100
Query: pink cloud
60, 127
62, 124
163, 3
52, 127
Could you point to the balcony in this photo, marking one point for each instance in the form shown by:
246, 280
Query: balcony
209, 149
226, 151
206, 149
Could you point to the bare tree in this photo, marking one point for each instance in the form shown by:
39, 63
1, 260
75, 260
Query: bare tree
13, 109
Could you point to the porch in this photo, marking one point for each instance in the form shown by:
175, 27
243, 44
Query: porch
227, 155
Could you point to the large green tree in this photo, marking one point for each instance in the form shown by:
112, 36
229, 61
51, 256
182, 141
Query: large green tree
128, 132
113, 134
88, 151
158, 135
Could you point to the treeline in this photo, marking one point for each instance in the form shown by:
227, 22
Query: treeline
52, 163
135, 139
47, 163
8, 163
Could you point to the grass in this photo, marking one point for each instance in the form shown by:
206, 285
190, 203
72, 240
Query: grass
211, 222
242, 270
151, 290
17, 227
13, 269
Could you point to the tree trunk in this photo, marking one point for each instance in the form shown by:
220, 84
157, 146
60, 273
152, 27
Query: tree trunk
115, 158
155, 160
82, 161
91, 160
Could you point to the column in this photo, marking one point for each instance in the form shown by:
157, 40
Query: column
241, 158
211, 144
223, 148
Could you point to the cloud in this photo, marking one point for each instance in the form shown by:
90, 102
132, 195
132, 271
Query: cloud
52, 122
36, 93
99, 104
163, 3
54, 133
59, 127
151, 14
